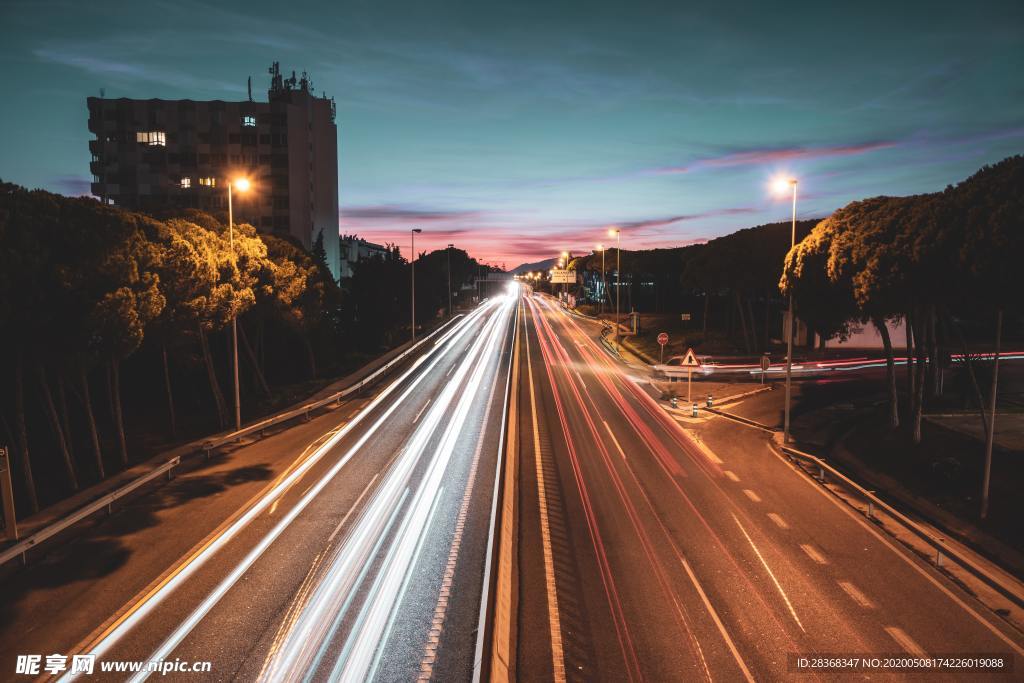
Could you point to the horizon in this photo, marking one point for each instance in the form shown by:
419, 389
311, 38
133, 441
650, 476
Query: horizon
563, 120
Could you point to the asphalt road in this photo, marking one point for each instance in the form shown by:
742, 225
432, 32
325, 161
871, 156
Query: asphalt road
339, 567
647, 554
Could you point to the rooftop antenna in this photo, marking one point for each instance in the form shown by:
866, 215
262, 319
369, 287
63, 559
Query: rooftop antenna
250, 88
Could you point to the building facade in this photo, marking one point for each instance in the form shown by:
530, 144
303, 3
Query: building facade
160, 155
355, 249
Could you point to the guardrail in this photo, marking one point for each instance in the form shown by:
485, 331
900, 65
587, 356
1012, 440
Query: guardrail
105, 501
22, 547
873, 501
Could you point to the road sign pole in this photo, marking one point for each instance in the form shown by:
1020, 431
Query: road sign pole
689, 381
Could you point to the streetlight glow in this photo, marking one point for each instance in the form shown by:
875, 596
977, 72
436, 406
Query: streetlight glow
241, 184
781, 185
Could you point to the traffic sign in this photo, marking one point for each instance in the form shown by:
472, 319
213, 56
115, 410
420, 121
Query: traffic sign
690, 360
684, 316
663, 338
563, 276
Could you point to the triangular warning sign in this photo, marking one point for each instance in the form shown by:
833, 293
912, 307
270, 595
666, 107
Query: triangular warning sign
690, 360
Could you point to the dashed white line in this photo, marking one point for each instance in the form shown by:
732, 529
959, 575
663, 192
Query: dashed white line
351, 509
905, 641
614, 440
731, 475
856, 595
751, 495
779, 521
421, 410
813, 553
768, 569
718, 623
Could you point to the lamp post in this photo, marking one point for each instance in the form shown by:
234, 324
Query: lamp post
604, 284
617, 234
780, 186
242, 185
412, 264
450, 280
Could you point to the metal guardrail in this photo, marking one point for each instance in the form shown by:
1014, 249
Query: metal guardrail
941, 549
336, 397
22, 547
105, 501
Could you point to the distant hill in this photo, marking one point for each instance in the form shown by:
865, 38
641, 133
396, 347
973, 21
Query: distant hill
546, 264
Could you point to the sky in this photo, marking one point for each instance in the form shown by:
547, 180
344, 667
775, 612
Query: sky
516, 130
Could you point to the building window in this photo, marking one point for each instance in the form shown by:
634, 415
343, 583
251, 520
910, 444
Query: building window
152, 137
186, 183
249, 121
209, 182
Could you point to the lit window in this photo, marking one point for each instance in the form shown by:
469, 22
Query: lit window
209, 182
249, 121
186, 182
152, 137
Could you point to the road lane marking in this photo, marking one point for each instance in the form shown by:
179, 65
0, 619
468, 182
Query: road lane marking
905, 641
273, 508
718, 622
912, 562
730, 475
856, 595
614, 440
454, 365
554, 622
779, 521
352, 509
415, 419
813, 553
704, 449
771, 574
751, 495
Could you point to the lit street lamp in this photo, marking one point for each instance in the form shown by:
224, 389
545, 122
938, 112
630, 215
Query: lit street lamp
412, 264
780, 186
617, 234
242, 185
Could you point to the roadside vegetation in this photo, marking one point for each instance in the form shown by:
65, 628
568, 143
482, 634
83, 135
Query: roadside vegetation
116, 330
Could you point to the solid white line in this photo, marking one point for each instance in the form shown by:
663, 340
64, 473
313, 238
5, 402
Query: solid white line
718, 622
415, 419
813, 553
751, 495
731, 475
614, 440
779, 521
905, 641
554, 622
856, 595
771, 574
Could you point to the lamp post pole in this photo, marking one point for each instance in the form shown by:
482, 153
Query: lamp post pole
412, 263
450, 312
234, 315
618, 277
791, 327
604, 284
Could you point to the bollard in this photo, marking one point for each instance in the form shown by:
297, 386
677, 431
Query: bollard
675, 402
709, 401
694, 413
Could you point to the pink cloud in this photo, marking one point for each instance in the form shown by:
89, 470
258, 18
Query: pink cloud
775, 156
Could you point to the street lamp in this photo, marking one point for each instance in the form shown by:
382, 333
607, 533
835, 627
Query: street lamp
450, 280
412, 264
617, 234
604, 285
242, 185
781, 186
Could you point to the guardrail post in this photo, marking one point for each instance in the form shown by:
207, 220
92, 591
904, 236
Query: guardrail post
821, 473
871, 509
7, 492
938, 555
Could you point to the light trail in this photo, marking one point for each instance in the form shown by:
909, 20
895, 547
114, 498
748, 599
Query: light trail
313, 633
151, 601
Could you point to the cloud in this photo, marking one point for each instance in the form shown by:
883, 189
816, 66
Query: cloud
401, 214
72, 185
669, 220
762, 156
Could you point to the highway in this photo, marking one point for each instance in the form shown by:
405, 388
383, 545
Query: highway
648, 554
342, 568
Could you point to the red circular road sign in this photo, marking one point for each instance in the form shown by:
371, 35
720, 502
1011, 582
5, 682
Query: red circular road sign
663, 339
